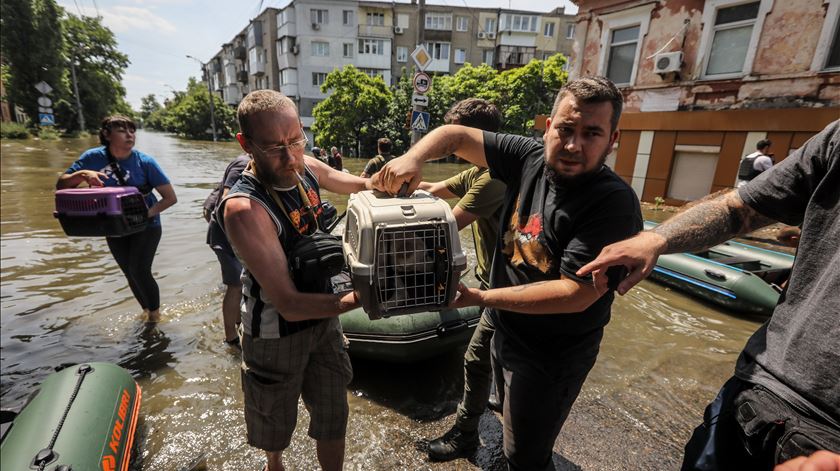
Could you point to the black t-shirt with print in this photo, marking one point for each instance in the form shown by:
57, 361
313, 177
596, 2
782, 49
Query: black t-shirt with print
549, 230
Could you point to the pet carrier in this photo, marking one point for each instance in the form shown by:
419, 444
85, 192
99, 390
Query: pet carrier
96, 212
404, 254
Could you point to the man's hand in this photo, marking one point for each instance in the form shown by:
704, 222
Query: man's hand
396, 172
466, 297
638, 254
819, 461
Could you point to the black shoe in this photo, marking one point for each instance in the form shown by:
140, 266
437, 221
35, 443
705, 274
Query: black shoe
454, 444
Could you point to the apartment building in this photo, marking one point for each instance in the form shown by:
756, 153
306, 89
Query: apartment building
292, 49
704, 80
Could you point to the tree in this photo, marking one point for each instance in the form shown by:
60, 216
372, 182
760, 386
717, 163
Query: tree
100, 66
189, 114
348, 117
528, 91
149, 105
30, 31
394, 124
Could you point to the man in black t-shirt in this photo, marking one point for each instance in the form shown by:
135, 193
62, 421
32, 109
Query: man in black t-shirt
561, 207
784, 400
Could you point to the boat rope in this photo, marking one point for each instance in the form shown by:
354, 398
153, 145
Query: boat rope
46, 456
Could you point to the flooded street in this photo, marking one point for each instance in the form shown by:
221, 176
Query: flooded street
64, 300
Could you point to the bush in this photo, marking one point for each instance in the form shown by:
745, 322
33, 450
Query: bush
13, 131
46, 134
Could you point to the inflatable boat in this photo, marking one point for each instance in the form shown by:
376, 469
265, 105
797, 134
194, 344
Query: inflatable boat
736, 276
408, 338
82, 418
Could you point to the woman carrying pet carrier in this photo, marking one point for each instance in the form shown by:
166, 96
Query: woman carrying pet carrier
117, 163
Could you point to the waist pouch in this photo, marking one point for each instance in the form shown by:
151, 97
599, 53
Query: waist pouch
314, 260
772, 427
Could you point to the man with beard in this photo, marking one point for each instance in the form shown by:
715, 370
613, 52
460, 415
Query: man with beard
292, 345
561, 207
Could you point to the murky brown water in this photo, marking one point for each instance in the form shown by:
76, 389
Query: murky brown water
65, 301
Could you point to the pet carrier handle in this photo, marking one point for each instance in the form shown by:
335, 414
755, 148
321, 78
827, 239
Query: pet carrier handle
403, 190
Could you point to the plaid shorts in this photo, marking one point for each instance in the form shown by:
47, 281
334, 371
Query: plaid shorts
311, 364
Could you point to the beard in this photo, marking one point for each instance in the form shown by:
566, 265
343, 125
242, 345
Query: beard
269, 177
561, 180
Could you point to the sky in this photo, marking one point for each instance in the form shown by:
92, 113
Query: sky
157, 35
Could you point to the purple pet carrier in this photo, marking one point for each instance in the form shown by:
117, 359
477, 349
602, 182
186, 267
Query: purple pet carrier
96, 212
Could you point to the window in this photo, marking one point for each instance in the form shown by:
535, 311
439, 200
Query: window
372, 73
622, 55
286, 44
692, 175
320, 49
318, 78
284, 17
347, 49
439, 21
438, 51
288, 76
320, 17
827, 54
570, 31
347, 17
548, 31
462, 23
522, 23
372, 46
489, 25
376, 19
460, 56
402, 54
731, 37
488, 57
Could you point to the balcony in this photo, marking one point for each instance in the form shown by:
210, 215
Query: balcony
289, 89
242, 76
287, 29
369, 31
240, 53
257, 68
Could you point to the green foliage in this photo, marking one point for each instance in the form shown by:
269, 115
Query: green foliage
353, 113
189, 114
13, 131
528, 91
148, 106
48, 134
658, 201
468, 82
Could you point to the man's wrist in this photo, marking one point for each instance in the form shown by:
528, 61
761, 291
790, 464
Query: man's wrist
658, 242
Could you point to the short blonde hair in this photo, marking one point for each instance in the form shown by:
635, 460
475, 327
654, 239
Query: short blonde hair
258, 101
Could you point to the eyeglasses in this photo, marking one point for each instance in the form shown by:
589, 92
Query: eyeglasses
278, 151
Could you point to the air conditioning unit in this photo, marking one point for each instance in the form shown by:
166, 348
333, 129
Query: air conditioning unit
316, 26
491, 35
295, 49
398, 30
482, 35
667, 62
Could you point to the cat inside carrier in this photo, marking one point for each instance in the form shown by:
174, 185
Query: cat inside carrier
404, 253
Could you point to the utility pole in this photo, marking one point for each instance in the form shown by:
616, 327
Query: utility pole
206, 74
76, 91
421, 38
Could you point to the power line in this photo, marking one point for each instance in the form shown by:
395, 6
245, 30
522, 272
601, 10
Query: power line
78, 9
96, 6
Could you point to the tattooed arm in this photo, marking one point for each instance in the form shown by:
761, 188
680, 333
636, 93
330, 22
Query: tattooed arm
707, 222
541, 297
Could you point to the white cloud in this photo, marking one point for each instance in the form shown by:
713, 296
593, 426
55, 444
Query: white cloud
123, 19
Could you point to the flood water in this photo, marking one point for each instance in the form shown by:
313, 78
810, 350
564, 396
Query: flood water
64, 300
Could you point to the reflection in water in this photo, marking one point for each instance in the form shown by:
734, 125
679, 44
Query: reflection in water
64, 300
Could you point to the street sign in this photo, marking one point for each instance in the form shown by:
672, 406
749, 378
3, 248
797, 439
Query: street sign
43, 87
422, 82
44, 102
419, 100
421, 57
47, 110
419, 121
46, 119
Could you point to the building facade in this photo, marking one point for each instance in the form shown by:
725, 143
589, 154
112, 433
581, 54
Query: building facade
294, 48
705, 80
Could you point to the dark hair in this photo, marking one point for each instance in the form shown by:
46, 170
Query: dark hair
383, 145
762, 144
593, 89
114, 121
475, 113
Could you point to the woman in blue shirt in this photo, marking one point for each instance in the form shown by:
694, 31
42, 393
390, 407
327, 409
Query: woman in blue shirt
117, 163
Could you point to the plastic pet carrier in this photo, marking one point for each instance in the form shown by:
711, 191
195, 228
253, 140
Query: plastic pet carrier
404, 254
106, 211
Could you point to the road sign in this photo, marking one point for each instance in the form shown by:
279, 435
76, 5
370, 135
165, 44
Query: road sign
43, 87
44, 102
47, 110
46, 119
422, 82
419, 100
419, 121
421, 57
